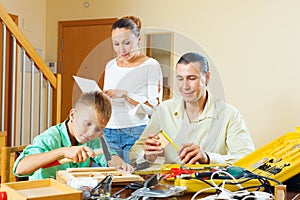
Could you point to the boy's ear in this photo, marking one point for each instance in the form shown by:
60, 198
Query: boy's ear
71, 114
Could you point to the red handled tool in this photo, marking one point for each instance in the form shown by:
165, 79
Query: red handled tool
67, 160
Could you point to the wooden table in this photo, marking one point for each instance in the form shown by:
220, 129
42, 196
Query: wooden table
291, 195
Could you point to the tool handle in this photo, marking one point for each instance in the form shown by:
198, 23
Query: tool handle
67, 160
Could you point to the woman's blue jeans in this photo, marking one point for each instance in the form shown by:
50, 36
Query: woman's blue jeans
121, 140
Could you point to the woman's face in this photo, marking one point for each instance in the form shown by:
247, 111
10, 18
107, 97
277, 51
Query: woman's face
125, 43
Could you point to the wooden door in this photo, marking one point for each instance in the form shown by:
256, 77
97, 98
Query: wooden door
84, 48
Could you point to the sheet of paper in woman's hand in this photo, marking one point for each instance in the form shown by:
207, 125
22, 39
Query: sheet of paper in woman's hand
86, 85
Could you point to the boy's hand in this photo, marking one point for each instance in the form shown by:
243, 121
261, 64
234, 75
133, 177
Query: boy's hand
78, 153
125, 167
119, 163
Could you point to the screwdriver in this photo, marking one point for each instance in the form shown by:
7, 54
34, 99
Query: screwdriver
131, 186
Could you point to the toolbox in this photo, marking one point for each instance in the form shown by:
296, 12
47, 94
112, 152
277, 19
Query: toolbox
40, 189
277, 162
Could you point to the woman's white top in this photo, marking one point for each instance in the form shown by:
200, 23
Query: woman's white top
143, 83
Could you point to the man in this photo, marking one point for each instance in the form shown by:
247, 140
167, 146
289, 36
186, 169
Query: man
206, 130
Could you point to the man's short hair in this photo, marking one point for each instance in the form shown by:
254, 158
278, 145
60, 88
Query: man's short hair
191, 57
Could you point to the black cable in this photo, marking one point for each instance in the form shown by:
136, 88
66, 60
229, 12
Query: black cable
204, 181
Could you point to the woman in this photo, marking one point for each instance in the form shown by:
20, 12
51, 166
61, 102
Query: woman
133, 81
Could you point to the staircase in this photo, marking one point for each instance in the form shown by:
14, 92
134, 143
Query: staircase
30, 94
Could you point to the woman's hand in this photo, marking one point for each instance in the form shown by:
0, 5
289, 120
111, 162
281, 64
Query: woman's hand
113, 93
152, 148
192, 153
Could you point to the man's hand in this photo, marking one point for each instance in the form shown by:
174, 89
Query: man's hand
192, 153
152, 148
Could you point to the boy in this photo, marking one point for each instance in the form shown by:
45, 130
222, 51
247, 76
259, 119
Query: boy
76, 138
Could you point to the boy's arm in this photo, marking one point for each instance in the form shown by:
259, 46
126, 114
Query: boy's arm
30, 163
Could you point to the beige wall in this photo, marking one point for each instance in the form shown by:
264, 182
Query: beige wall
32, 20
253, 45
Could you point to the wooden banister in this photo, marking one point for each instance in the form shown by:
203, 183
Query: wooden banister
53, 80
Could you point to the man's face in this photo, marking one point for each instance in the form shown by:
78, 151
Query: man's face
191, 82
86, 124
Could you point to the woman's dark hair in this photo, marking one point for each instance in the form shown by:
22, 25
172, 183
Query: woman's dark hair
129, 22
195, 57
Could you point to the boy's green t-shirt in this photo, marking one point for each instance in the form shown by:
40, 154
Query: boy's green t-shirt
53, 138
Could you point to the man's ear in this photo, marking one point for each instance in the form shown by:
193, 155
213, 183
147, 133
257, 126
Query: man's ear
207, 78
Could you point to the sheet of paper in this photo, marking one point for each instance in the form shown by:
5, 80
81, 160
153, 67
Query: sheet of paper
86, 85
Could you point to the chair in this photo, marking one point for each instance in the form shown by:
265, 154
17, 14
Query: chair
8, 157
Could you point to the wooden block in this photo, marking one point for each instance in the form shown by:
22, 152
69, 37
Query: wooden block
40, 189
98, 173
163, 140
280, 192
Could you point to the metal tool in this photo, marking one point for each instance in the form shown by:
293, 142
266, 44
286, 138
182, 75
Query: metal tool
131, 186
153, 180
105, 149
106, 184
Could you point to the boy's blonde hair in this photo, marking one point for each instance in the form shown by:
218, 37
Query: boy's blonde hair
98, 101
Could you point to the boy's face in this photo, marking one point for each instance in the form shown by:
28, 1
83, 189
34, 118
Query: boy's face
85, 123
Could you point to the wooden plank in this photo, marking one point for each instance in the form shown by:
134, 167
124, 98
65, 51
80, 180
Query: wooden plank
98, 173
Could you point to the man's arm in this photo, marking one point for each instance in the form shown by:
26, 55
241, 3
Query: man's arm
238, 141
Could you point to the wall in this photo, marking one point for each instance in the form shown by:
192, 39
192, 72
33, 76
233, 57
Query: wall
32, 20
253, 46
